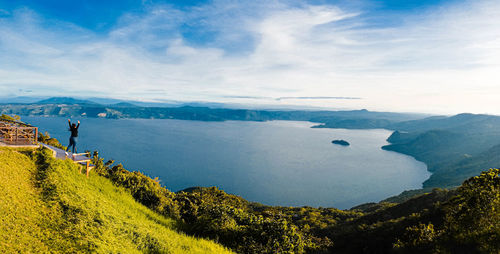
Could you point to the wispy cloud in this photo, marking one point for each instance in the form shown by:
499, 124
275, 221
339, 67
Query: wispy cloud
443, 60
291, 98
318, 98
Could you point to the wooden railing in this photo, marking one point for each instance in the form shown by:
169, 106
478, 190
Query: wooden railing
16, 133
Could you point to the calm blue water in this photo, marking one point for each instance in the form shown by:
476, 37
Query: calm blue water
276, 163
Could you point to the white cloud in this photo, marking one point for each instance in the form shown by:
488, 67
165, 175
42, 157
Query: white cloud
444, 60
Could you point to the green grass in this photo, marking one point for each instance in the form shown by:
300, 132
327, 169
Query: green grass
47, 206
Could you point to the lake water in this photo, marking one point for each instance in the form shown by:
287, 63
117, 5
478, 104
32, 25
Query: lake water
283, 163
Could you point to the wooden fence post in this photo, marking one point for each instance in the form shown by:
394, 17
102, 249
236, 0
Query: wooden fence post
88, 168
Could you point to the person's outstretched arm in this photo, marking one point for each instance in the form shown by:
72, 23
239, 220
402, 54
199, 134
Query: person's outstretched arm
69, 123
78, 124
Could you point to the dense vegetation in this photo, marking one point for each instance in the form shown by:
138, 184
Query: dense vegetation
48, 207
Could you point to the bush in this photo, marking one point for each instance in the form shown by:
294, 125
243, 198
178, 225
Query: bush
46, 139
417, 239
209, 212
15, 118
145, 190
471, 221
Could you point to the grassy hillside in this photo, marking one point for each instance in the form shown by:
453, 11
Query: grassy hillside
47, 206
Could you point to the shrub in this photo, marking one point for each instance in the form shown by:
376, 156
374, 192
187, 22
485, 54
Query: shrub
46, 139
10, 118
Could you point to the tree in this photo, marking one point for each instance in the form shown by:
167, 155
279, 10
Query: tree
472, 222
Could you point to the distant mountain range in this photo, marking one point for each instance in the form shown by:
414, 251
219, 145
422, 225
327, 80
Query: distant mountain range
71, 107
101, 101
112, 101
20, 99
64, 100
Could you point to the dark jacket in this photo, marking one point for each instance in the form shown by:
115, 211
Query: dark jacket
74, 131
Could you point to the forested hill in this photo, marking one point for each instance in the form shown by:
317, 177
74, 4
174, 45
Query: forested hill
454, 148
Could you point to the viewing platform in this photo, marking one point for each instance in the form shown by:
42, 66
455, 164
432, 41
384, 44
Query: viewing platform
82, 159
17, 134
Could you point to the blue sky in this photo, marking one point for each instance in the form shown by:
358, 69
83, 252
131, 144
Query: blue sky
423, 56
102, 16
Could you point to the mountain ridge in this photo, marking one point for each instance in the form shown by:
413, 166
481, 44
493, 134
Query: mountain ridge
64, 100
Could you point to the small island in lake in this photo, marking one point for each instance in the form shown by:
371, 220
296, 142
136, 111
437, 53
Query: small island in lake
340, 142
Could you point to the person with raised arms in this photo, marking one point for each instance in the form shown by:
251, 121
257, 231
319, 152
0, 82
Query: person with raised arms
74, 136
